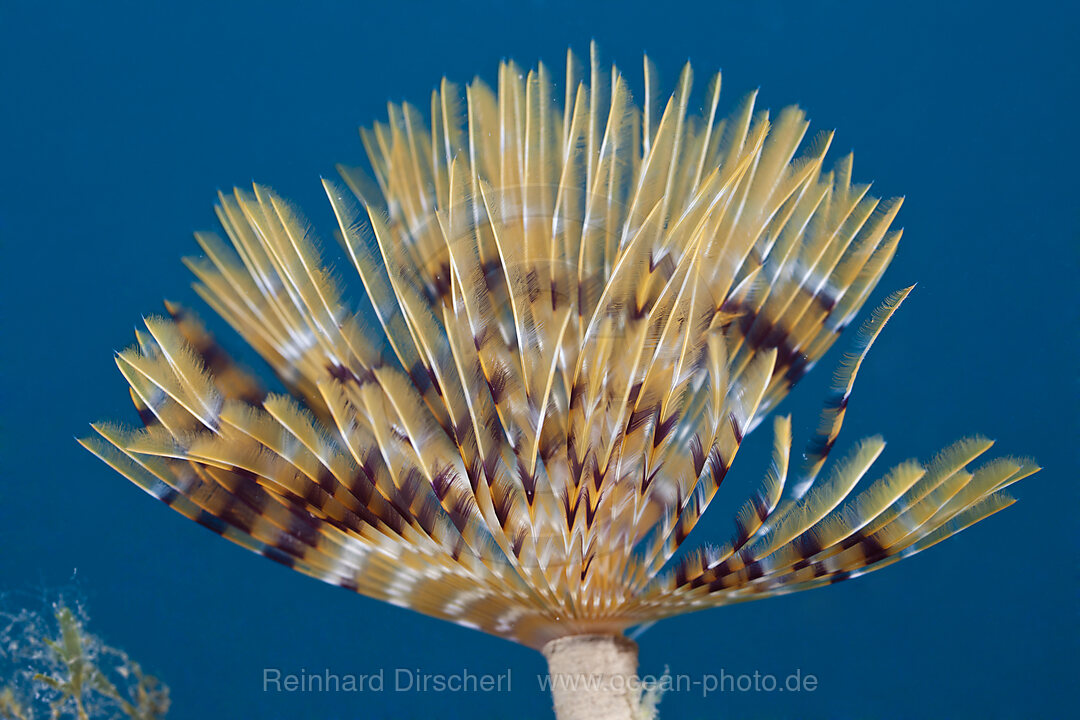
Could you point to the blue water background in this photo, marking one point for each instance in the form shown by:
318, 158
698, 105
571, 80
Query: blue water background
120, 120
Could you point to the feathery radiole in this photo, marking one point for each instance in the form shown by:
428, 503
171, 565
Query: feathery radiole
575, 317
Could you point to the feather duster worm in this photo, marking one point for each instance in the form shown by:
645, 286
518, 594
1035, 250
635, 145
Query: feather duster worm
576, 315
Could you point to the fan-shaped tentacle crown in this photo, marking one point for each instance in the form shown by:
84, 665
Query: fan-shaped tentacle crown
574, 315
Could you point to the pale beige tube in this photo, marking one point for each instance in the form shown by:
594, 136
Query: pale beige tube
594, 677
